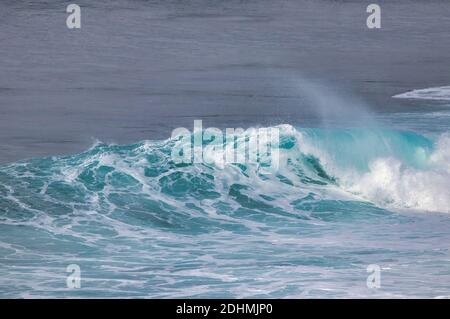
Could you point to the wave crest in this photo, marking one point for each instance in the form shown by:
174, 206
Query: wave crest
320, 169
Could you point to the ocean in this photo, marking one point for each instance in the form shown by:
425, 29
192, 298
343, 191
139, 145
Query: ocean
88, 184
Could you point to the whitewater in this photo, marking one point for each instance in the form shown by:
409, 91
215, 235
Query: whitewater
140, 225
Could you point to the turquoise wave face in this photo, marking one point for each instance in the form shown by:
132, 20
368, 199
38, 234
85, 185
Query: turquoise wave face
357, 148
139, 224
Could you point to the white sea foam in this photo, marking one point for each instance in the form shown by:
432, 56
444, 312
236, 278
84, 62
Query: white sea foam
437, 93
392, 183
140, 226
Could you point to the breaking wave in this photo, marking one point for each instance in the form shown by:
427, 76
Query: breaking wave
140, 183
